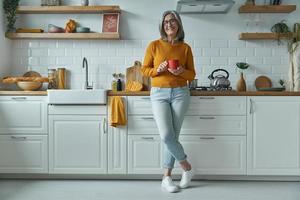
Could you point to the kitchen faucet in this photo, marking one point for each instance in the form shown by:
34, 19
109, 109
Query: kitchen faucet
86, 83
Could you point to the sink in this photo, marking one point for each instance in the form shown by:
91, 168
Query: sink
77, 96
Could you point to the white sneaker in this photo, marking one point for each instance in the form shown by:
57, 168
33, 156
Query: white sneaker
186, 179
168, 185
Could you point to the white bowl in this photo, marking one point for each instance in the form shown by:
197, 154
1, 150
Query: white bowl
29, 85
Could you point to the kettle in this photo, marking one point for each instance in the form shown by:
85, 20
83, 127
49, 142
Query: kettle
219, 81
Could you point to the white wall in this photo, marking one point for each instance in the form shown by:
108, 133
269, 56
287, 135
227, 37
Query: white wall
5, 48
213, 38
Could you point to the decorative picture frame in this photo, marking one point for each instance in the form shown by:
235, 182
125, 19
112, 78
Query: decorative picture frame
110, 23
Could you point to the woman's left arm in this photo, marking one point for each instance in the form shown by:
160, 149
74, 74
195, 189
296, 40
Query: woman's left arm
189, 71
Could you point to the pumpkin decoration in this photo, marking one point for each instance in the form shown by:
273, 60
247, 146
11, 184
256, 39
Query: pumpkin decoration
70, 26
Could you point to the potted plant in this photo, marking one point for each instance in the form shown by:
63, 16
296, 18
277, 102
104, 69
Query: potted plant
241, 84
10, 9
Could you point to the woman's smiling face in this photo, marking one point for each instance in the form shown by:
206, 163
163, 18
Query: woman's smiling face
170, 25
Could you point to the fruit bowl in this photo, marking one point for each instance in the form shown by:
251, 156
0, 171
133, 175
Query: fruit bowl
28, 85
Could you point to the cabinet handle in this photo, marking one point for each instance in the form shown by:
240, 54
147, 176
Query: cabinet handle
147, 118
206, 97
104, 126
18, 137
148, 138
207, 118
251, 106
207, 138
18, 98
145, 98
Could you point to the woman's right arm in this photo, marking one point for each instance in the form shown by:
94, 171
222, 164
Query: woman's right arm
148, 68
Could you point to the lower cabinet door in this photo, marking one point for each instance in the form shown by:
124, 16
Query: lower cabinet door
215, 155
144, 154
23, 154
78, 144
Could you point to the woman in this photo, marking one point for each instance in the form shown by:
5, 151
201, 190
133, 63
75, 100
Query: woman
169, 93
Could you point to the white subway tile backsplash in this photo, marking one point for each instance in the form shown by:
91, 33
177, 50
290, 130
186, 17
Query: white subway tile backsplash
47, 60
39, 52
228, 51
272, 60
106, 57
202, 43
245, 52
64, 60
98, 60
263, 51
124, 52
219, 60
133, 44
254, 60
107, 52
211, 52
65, 44
234, 60
89, 52
138, 52
56, 52
116, 60
237, 44
48, 44
219, 43
73, 52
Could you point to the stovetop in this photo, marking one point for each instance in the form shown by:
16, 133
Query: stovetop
207, 88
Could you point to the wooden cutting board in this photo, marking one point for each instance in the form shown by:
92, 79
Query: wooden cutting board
134, 74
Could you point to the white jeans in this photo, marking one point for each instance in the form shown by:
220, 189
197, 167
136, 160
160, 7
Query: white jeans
169, 106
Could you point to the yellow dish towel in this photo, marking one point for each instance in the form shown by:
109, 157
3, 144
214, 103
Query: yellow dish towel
117, 112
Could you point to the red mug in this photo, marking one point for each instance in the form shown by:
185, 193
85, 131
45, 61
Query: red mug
173, 63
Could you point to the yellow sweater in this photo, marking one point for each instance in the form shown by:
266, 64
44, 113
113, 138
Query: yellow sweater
159, 51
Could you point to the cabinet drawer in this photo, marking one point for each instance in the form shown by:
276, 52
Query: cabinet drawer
218, 105
138, 125
217, 155
214, 125
140, 105
23, 154
23, 114
144, 154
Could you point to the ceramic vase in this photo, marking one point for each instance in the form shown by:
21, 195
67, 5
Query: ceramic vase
241, 84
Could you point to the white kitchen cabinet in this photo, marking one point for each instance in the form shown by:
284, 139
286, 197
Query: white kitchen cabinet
217, 105
144, 154
23, 154
23, 115
139, 105
215, 155
77, 141
117, 145
273, 135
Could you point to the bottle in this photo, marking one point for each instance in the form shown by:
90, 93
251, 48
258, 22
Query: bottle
119, 85
52, 78
61, 78
114, 85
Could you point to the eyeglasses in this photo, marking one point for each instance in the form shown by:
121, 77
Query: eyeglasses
171, 21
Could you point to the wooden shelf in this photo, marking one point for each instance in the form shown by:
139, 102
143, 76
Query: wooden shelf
67, 9
267, 9
265, 36
77, 36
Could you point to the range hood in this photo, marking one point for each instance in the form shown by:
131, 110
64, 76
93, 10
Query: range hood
203, 6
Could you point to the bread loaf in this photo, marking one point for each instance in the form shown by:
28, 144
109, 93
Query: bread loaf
15, 79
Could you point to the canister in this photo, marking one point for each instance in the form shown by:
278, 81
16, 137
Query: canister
61, 78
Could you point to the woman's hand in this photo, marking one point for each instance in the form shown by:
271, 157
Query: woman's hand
162, 67
177, 71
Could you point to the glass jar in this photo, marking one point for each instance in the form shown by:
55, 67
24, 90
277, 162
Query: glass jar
52, 78
61, 78
53, 2
44, 2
